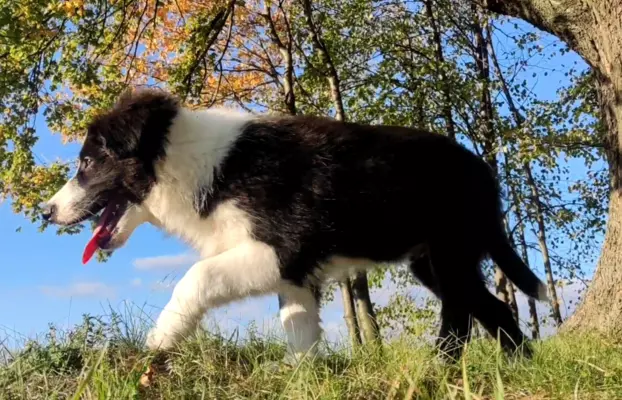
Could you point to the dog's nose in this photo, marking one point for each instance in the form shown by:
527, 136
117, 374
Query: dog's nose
48, 212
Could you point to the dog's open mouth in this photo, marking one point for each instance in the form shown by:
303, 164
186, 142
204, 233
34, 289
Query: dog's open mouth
108, 220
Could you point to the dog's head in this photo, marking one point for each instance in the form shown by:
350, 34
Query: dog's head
116, 167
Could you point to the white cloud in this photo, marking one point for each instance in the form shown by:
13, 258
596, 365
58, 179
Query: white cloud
80, 289
136, 282
167, 262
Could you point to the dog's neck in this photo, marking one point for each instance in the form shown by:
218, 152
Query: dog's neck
198, 143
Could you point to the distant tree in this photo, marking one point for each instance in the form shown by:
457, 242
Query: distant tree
592, 30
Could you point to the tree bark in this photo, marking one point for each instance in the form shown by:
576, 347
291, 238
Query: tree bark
509, 287
512, 301
544, 248
370, 331
367, 323
533, 311
330, 72
285, 48
594, 30
349, 313
440, 65
501, 286
486, 124
289, 99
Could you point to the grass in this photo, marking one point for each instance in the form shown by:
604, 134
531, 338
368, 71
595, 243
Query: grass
104, 360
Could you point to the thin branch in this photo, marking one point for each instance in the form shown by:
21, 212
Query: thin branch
214, 28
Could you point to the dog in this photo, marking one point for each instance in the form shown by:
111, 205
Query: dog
279, 204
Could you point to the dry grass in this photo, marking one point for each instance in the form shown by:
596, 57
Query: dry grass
105, 360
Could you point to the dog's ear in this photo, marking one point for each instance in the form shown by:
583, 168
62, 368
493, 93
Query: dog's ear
135, 99
138, 124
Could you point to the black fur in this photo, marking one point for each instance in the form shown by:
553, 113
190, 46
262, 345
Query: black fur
123, 144
317, 188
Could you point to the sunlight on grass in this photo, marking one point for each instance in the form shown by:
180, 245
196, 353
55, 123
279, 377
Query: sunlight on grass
104, 358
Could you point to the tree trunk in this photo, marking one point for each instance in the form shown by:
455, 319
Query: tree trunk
486, 124
330, 72
476, 333
601, 309
544, 248
533, 311
440, 66
370, 332
594, 30
535, 197
531, 302
513, 303
509, 289
285, 48
366, 317
349, 313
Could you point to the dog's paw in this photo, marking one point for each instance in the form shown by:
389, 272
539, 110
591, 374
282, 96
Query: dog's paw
148, 377
156, 339
161, 364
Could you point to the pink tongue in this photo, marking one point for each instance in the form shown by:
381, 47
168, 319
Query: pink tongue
100, 232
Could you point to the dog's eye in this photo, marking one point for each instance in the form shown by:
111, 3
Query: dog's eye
86, 162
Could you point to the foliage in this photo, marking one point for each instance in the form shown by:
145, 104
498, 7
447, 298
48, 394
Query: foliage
402, 315
404, 62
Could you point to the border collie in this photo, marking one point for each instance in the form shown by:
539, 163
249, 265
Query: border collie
279, 204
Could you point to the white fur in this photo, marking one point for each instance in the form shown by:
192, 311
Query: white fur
66, 201
248, 269
339, 268
300, 318
233, 264
133, 217
199, 141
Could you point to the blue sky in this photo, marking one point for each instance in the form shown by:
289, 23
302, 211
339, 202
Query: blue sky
45, 282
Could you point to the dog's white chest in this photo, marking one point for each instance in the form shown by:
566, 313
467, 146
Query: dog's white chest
225, 227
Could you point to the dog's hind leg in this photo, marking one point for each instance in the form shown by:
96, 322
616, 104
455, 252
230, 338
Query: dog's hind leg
456, 322
299, 313
249, 269
451, 268
421, 267
498, 320
464, 293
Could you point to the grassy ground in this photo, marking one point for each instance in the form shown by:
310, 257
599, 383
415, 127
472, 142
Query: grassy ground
99, 362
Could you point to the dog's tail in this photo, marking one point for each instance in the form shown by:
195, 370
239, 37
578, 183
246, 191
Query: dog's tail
498, 243
506, 258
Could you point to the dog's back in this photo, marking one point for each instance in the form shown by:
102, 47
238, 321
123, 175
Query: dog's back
328, 188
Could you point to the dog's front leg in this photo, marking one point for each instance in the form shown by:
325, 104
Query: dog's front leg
299, 312
249, 269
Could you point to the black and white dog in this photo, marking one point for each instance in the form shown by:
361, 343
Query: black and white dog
278, 204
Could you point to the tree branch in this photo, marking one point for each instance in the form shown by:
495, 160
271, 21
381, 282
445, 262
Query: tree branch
568, 20
330, 70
